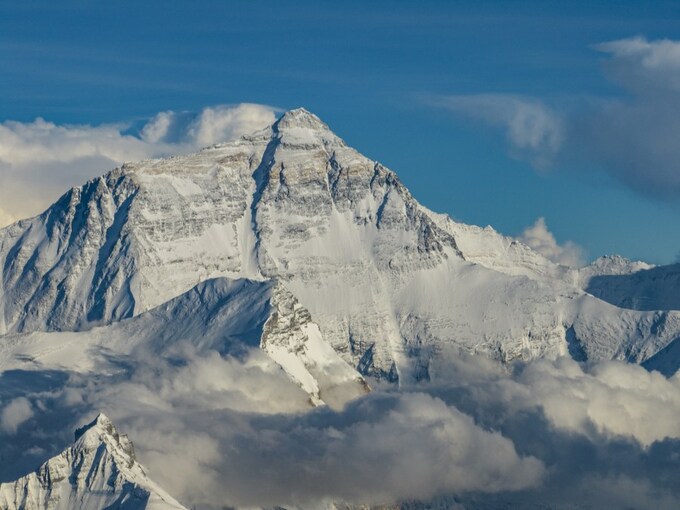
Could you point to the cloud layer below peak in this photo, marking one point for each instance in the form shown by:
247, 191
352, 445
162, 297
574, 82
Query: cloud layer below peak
237, 432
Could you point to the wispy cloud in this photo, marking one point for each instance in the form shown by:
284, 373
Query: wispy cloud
236, 432
531, 127
636, 138
14, 414
538, 237
39, 160
633, 136
642, 65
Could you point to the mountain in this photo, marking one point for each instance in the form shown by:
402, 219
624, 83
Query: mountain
219, 315
244, 294
390, 284
98, 471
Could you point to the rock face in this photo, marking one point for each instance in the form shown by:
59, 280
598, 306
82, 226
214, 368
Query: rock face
218, 315
294, 341
389, 283
98, 471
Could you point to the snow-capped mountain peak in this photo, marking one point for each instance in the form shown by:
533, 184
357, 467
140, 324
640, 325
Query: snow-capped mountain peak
300, 118
296, 128
285, 256
102, 430
98, 471
389, 283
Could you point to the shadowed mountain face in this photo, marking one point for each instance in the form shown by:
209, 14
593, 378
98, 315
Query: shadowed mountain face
389, 283
657, 288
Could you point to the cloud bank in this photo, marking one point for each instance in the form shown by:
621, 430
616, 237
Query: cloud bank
603, 401
633, 136
237, 432
607, 432
39, 160
227, 431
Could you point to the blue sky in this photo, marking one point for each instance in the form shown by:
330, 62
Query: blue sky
434, 90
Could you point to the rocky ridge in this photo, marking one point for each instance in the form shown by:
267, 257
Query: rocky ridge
98, 471
389, 283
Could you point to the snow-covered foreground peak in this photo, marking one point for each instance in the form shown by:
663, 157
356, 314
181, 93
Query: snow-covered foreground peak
98, 471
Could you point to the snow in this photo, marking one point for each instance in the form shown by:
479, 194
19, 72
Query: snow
292, 244
223, 315
386, 280
98, 471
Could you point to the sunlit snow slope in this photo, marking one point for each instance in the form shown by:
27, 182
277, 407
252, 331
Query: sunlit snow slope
390, 284
229, 317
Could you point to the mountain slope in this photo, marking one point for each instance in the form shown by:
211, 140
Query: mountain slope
227, 316
390, 284
652, 288
97, 472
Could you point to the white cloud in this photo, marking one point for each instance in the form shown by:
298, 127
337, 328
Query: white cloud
660, 54
636, 138
642, 65
222, 420
253, 383
39, 160
601, 400
379, 449
223, 123
618, 399
632, 136
218, 431
158, 128
538, 237
532, 128
607, 432
238, 432
14, 414
40, 141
